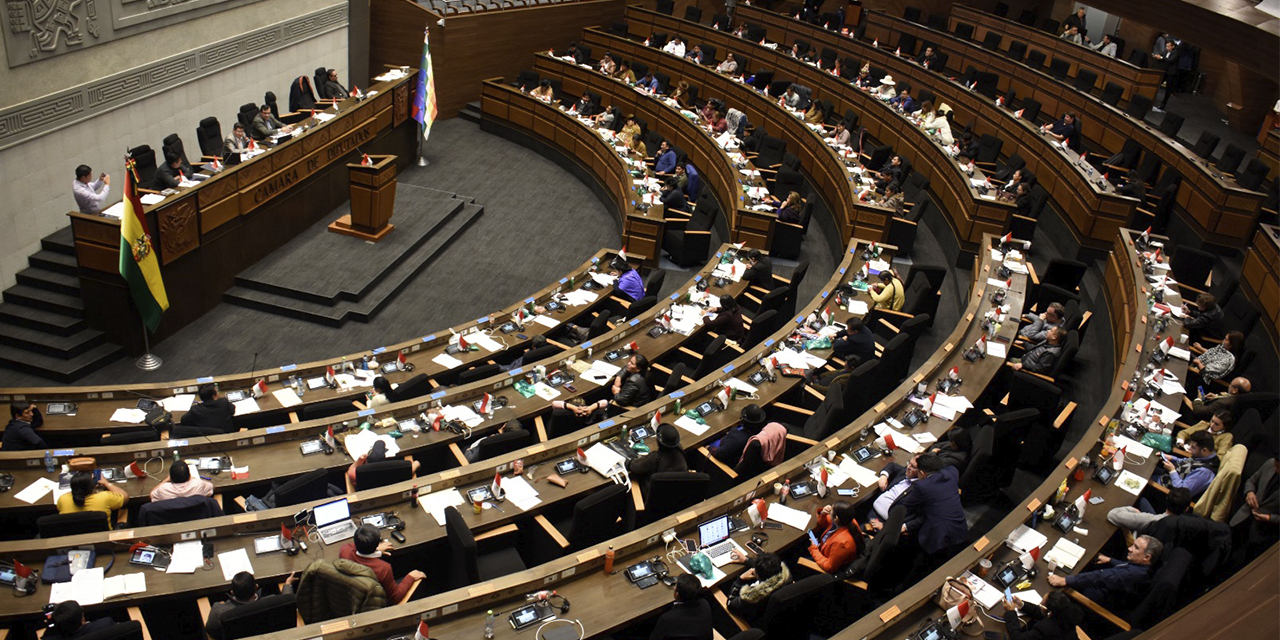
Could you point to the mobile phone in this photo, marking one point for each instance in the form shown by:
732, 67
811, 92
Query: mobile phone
771, 525
847, 492
1200, 390
754, 548
690, 546
570, 388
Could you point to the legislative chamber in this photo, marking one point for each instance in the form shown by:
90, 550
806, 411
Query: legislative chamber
667, 319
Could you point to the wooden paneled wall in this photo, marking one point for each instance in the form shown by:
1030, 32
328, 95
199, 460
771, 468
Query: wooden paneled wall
471, 48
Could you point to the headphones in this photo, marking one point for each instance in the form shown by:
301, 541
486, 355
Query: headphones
6, 482
547, 597
760, 538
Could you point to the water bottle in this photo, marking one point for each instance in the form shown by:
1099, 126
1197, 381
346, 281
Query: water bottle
50, 465
488, 624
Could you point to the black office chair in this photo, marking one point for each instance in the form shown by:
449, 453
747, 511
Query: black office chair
762, 326
209, 137
640, 306
1191, 266
172, 143
1085, 80
1206, 145
911, 14
1230, 161
1065, 273
264, 615
673, 491
1058, 68
478, 373
667, 7
964, 31
70, 524
713, 357
313, 485
691, 244
467, 566
418, 385
131, 630
1111, 94
326, 409
790, 611
1171, 124
1035, 59
302, 96
1017, 51
978, 482
503, 443
788, 236
604, 514
1254, 173
692, 13
144, 159
752, 463
180, 431
176, 510
878, 568
992, 41
130, 437
1001, 10
1139, 106
1139, 59
382, 473
526, 80
860, 390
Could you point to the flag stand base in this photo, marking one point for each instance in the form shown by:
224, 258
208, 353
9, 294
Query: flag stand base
422, 162
149, 362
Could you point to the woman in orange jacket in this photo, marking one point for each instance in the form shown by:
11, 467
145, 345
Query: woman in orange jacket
837, 545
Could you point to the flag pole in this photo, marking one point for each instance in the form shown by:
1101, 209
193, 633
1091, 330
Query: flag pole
148, 361
422, 160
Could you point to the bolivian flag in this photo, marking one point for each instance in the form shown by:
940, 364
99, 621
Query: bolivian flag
139, 265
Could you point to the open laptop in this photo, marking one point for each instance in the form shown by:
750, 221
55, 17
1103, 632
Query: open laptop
333, 520
714, 540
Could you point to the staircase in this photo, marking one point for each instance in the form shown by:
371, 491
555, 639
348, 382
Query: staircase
42, 326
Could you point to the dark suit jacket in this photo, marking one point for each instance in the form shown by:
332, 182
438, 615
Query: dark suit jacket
861, 344
674, 200
1039, 626
22, 436
1268, 502
682, 620
760, 274
936, 501
729, 451
167, 176
216, 414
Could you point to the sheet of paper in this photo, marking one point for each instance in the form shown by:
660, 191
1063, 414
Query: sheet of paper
902, 441
604, 460
1132, 447
124, 585
691, 425
604, 279
858, 307
1180, 353
716, 575
151, 198
435, 503
601, 372
997, 349
835, 477
546, 321
461, 412
115, 211
37, 490
447, 361
361, 442
1030, 596
129, 416
735, 383
1131, 482
287, 397
546, 391
925, 438
943, 411
180, 402
186, 557
520, 493
789, 516
234, 562
997, 283
1024, 539
860, 474
877, 265
485, 342
85, 587
248, 405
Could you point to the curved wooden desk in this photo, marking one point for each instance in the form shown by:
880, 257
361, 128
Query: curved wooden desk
1222, 211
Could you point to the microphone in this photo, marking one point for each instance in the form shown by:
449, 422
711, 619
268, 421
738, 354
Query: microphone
253, 369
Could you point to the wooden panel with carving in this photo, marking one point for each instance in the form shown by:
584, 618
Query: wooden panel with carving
401, 104
179, 230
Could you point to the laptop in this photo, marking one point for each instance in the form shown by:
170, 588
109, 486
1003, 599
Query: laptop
715, 541
333, 520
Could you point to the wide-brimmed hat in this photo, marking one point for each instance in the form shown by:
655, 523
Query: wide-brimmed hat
753, 416
668, 436
887, 80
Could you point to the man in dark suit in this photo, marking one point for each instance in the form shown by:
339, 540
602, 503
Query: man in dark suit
173, 172
332, 89
672, 197
689, 617
935, 515
20, 434
211, 412
759, 270
854, 341
1170, 60
1258, 518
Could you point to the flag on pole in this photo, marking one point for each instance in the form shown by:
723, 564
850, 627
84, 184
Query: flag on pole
424, 98
139, 265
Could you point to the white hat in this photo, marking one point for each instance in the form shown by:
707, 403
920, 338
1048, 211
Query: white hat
887, 80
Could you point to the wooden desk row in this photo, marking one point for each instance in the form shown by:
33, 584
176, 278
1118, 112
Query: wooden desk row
969, 214
96, 404
207, 234
1094, 212
605, 602
1126, 290
1261, 275
236, 531
1223, 211
1134, 79
273, 454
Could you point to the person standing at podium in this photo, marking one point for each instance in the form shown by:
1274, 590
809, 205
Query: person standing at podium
89, 193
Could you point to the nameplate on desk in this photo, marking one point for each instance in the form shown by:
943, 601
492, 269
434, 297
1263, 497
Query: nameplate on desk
450, 473
686, 516
890, 614
832, 443
634, 322
429, 338
587, 557
841, 270
529, 300
439, 394
969, 317
606, 424
171, 444
364, 413
331, 627
482, 320
120, 535
1071, 463
585, 345
879, 408
1144, 319
768, 477
204, 380
918, 378
986, 267
289, 367
1033, 505
824, 295
482, 590
728, 368
949, 347
563, 280
697, 278
537, 448
675, 394
516, 371
244, 517
1138, 348
63, 453
769, 342
276, 429
675, 295
380, 350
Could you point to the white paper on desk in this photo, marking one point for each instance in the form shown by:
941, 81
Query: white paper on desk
997, 349
1024, 539
234, 562
546, 321
691, 425
485, 342
1132, 447
835, 477
941, 410
789, 516
860, 474
579, 297
60, 491
976, 182
604, 460
85, 587
858, 307
115, 211
1131, 482
36, 490
180, 402
1030, 596
520, 493
435, 503
993, 282
987, 595
361, 442
877, 265
791, 359
735, 383
130, 416
151, 198
287, 397
447, 361
124, 585
902, 441
601, 372
248, 405
957, 403
604, 279
730, 271
925, 438
1180, 353
1065, 553
716, 575
324, 117
545, 391
1016, 267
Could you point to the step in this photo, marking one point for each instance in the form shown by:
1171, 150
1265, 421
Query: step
54, 261
58, 346
39, 319
59, 369
56, 281
61, 241
471, 112
47, 300
374, 300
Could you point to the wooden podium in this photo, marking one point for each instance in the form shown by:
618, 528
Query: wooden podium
373, 200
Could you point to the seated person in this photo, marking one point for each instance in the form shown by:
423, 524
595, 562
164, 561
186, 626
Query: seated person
864, 79
1216, 427
212, 412
1259, 514
625, 74
1136, 518
728, 449
681, 94
378, 453
332, 89
840, 135
1011, 187
1106, 47
695, 54
773, 444
674, 47
473, 452
174, 172
689, 617
181, 484
886, 91
244, 589
672, 196
1211, 403
759, 271
579, 56
606, 118
953, 447
630, 129
927, 58
836, 544
1041, 357
636, 146
237, 142
607, 65
381, 393
814, 115
968, 148
649, 83
1204, 317
822, 379
792, 99
890, 172
718, 124
728, 66
630, 388
1056, 619
543, 91
367, 549
1072, 35
577, 411
727, 320
1218, 361
790, 210
584, 107
536, 342
664, 161
266, 125
88, 495
750, 591
20, 434
888, 293
629, 281
67, 621
1197, 471
903, 101
668, 457
893, 198
1115, 583
855, 342
1037, 330
1064, 130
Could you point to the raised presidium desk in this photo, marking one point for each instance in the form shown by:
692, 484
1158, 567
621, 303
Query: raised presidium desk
605, 602
1137, 335
206, 234
1222, 210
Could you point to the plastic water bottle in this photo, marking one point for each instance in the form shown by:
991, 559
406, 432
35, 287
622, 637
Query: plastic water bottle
488, 624
50, 465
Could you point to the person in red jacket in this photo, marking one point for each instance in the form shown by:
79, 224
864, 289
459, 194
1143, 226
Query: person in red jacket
837, 545
368, 549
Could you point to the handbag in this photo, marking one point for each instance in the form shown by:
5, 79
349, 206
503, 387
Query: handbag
1159, 441
953, 592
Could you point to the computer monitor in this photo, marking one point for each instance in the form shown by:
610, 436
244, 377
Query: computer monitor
713, 531
331, 512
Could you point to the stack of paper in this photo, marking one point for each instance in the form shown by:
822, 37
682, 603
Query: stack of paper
234, 562
36, 490
85, 587
601, 372
180, 402
691, 425
1132, 447
248, 405
460, 412
996, 349
580, 297
520, 493
987, 595
186, 557
860, 474
124, 585
545, 391
361, 442
1024, 539
129, 416
435, 503
152, 198
287, 397
485, 342
447, 361
604, 279
788, 516
546, 321
1065, 554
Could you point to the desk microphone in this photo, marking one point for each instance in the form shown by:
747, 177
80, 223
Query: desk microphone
253, 369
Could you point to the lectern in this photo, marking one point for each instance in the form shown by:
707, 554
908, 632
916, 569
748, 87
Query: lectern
373, 199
